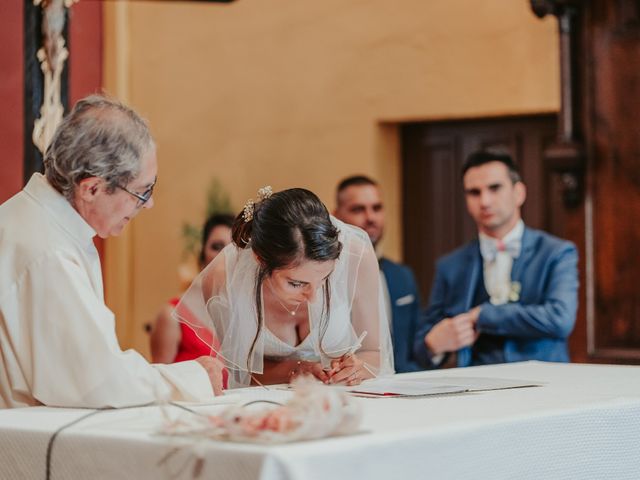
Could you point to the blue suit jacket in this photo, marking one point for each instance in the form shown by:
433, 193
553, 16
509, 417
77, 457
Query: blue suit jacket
534, 328
405, 312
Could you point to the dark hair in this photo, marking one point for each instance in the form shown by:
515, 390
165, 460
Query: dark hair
485, 156
212, 222
353, 181
287, 228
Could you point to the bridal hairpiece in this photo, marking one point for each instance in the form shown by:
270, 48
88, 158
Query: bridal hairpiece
247, 211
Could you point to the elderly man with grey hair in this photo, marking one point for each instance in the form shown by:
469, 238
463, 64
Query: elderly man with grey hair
57, 337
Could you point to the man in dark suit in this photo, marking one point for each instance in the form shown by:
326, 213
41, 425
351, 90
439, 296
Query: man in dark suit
511, 294
359, 203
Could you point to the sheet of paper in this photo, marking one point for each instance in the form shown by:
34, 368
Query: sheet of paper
479, 384
403, 387
409, 387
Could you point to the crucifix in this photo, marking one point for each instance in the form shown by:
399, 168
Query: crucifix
52, 56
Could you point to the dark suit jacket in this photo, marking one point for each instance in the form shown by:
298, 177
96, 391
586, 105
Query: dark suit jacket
405, 312
535, 327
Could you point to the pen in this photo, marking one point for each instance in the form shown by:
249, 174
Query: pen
351, 349
357, 345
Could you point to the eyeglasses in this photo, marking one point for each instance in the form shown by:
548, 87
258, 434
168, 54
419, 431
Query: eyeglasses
145, 196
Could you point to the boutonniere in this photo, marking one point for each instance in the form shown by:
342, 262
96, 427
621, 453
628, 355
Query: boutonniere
514, 291
505, 293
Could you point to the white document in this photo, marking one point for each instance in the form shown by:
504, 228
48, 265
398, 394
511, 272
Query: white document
411, 387
394, 387
479, 384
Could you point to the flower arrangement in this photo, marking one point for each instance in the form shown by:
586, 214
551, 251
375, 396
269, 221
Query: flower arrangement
315, 411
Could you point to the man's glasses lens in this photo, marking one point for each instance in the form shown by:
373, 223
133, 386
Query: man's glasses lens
143, 197
146, 195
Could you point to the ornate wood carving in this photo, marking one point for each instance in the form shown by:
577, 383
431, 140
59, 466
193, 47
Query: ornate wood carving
566, 155
40, 44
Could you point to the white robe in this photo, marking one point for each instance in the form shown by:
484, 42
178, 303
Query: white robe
57, 337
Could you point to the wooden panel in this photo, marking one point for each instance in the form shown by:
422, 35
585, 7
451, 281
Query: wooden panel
612, 59
427, 180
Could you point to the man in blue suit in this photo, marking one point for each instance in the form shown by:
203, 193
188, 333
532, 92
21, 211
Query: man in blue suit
510, 295
359, 203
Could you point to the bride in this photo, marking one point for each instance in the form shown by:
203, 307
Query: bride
297, 292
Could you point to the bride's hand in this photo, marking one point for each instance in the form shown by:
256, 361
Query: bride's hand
347, 370
302, 367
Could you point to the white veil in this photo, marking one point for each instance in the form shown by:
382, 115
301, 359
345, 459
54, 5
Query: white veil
222, 299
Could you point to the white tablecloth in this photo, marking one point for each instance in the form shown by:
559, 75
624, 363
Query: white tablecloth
584, 423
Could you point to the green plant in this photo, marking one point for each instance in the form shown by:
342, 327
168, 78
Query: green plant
217, 202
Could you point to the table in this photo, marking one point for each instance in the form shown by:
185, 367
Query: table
584, 423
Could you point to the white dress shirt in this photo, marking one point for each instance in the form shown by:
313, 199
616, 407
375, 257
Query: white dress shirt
498, 256
58, 344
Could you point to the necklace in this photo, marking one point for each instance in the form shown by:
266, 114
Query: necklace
290, 312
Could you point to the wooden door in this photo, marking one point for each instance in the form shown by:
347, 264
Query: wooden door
610, 78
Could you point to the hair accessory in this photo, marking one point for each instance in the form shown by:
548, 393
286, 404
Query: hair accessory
264, 192
249, 207
247, 210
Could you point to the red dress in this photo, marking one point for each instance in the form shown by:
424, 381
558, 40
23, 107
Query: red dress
193, 346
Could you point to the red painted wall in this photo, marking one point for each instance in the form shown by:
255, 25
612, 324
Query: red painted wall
85, 47
11, 98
